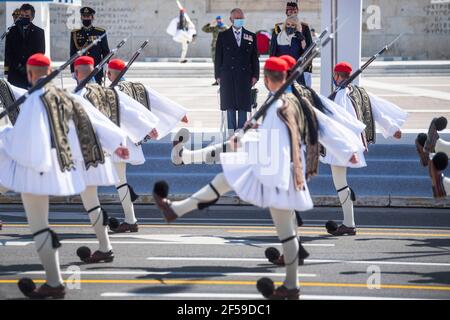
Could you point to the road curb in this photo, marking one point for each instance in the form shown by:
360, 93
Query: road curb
319, 201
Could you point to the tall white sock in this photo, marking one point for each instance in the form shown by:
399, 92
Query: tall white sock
284, 221
36, 208
443, 146
340, 182
124, 193
447, 186
91, 201
204, 195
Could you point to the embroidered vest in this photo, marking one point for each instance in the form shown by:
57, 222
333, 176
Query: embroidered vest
363, 108
105, 100
136, 91
6, 99
60, 109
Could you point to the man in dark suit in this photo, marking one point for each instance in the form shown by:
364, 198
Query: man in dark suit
81, 38
22, 41
236, 69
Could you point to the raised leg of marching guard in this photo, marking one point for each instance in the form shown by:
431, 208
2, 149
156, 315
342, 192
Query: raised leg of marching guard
278, 182
434, 153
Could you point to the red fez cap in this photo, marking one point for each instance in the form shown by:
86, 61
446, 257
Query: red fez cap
289, 60
276, 64
116, 64
84, 61
39, 60
344, 67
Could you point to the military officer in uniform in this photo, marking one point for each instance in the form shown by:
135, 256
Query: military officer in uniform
81, 38
292, 10
215, 28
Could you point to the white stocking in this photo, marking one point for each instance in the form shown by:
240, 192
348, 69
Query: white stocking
205, 195
36, 208
91, 201
443, 146
284, 221
340, 183
447, 186
124, 193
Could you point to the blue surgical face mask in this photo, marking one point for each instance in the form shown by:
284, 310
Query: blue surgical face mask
220, 24
239, 23
290, 30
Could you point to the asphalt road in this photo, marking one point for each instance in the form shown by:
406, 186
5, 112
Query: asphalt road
219, 254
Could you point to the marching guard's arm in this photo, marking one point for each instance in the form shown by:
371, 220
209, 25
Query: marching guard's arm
137, 120
338, 140
111, 136
387, 115
340, 115
168, 111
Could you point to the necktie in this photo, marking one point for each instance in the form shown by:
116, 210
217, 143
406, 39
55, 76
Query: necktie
238, 38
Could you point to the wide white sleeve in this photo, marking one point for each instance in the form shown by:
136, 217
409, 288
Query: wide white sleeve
135, 119
342, 116
169, 112
389, 117
18, 92
272, 165
28, 142
111, 136
337, 139
172, 28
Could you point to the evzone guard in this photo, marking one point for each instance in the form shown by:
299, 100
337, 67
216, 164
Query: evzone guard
134, 119
168, 112
8, 94
374, 112
434, 153
278, 181
53, 145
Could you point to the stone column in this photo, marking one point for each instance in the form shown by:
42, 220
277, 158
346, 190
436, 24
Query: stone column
347, 43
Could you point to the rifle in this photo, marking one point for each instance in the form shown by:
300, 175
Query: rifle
99, 67
133, 58
40, 84
345, 83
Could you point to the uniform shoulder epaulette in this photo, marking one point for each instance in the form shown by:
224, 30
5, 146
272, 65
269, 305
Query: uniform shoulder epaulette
99, 29
277, 27
75, 30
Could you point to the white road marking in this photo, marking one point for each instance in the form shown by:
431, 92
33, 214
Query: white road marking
237, 242
307, 261
203, 240
236, 296
167, 273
